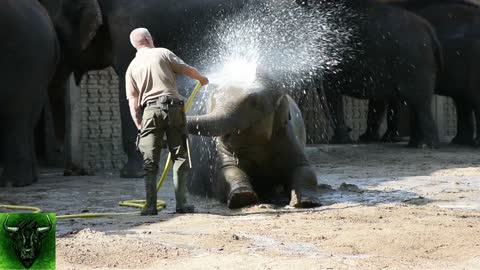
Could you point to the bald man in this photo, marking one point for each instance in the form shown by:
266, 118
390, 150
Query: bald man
157, 110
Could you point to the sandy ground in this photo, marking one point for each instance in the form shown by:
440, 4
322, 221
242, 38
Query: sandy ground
390, 207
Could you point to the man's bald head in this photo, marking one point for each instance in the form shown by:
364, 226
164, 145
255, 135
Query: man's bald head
140, 38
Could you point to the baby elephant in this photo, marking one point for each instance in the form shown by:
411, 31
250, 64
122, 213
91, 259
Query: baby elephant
254, 145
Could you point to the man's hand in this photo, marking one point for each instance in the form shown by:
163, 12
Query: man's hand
194, 74
138, 121
204, 80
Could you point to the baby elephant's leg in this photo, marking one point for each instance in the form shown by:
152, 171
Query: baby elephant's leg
237, 187
303, 188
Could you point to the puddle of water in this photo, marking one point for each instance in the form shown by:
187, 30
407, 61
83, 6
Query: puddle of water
432, 189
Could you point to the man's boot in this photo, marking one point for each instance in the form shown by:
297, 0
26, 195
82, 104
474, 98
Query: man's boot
179, 181
150, 208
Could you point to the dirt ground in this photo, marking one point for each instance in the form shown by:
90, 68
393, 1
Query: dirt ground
390, 207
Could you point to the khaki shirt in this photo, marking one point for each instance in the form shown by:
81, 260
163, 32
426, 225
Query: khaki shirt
152, 74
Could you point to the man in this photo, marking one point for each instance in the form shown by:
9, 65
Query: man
157, 109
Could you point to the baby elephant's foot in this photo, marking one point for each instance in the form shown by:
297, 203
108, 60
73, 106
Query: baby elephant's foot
241, 197
301, 201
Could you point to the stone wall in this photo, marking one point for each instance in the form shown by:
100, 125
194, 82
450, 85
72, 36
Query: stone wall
355, 115
450, 118
100, 122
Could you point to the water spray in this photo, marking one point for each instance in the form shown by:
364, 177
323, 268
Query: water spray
291, 42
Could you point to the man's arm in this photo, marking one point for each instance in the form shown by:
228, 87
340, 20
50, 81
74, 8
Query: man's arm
132, 96
195, 74
179, 67
135, 112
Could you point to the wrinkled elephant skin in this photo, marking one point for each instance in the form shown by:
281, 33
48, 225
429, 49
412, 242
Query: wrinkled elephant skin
29, 57
396, 58
457, 27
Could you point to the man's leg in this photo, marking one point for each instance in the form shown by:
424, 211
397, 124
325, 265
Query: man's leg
177, 144
150, 147
180, 174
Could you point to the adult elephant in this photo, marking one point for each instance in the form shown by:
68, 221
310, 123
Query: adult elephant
29, 57
395, 56
94, 34
256, 138
457, 26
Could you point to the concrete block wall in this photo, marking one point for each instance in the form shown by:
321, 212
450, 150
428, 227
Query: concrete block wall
101, 136
355, 115
450, 118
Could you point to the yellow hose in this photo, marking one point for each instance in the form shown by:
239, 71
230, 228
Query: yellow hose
20, 207
131, 203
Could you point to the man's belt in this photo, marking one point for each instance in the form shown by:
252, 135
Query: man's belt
165, 101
